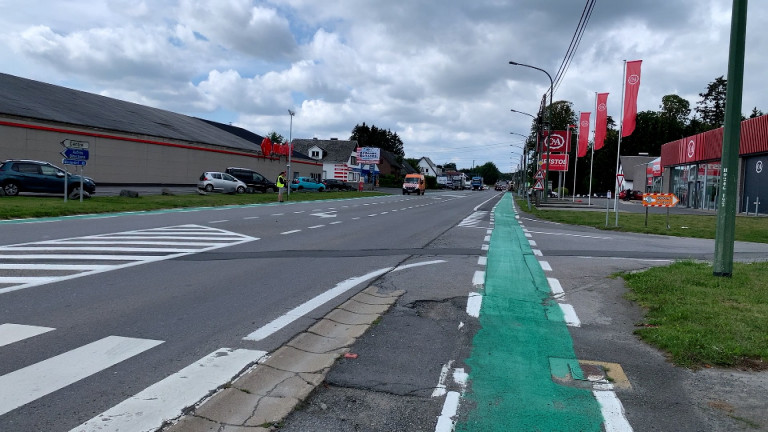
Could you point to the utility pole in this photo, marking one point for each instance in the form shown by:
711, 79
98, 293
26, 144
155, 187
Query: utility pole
290, 151
726, 213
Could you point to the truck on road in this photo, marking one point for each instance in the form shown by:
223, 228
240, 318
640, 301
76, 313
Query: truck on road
477, 183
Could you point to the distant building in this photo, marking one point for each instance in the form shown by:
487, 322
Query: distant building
128, 143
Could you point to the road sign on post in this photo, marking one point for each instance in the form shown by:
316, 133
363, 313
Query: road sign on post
72, 144
659, 200
75, 154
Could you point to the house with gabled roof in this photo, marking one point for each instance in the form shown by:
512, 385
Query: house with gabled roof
338, 158
428, 168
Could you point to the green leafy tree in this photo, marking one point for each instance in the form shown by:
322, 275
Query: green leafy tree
755, 113
489, 172
711, 107
675, 109
372, 136
450, 166
276, 138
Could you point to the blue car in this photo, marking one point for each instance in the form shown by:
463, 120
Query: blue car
307, 183
41, 177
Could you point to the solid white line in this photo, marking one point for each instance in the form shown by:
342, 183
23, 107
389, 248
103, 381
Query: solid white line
545, 266
168, 398
79, 256
418, 264
613, 412
478, 279
482, 260
139, 241
555, 287
24, 385
450, 406
311, 304
27, 279
10, 333
474, 303
572, 235
569, 315
290, 232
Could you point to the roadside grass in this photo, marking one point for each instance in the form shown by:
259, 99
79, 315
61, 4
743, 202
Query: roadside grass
23, 207
747, 228
702, 320
698, 319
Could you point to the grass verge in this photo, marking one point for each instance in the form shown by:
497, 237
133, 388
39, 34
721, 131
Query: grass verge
752, 229
23, 207
703, 320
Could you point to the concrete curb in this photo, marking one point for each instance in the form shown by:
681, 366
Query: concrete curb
262, 397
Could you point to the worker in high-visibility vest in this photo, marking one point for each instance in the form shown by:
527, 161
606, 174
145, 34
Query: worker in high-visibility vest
280, 183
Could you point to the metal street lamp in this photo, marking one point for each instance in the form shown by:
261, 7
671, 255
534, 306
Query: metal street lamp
549, 115
520, 112
290, 150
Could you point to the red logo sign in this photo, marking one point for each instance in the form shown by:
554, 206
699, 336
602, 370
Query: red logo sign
556, 141
558, 162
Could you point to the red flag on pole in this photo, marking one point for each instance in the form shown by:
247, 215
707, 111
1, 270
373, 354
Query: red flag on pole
266, 146
583, 134
601, 120
631, 86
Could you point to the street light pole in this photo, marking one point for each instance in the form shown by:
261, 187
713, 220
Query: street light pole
290, 150
549, 120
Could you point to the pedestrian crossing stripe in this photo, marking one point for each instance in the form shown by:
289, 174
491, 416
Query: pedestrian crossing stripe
25, 385
473, 219
63, 259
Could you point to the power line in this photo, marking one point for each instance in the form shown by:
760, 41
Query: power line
575, 41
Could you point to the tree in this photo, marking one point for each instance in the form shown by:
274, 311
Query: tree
276, 138
489, 172
675, 108
374, 137
711, 107
756, 113
450, 166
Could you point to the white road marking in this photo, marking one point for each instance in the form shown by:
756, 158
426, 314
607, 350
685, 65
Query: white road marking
311, 304
316, 226
545, 266
218, 221
474, 303
190, 238
482, 260
10, 333
487, 238
572, 235
537, 252
450, 406
478, 279
25, 385
440, 387
334, 223
168, 398
569, 315
613, 412
532, 242
484, 247
556, 288
290, 232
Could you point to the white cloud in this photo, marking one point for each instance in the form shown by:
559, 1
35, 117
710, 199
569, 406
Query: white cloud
435, 72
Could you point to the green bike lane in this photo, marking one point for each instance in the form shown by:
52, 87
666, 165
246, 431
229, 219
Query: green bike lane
522, 358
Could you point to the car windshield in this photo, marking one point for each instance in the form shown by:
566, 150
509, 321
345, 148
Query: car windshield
411, 180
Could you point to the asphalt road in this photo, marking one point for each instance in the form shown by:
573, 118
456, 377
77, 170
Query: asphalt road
203, 299
97, 309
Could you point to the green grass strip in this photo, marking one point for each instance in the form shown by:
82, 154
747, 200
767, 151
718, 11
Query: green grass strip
700, 319
522, 333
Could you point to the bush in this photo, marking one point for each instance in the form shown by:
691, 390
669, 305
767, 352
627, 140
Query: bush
389, 180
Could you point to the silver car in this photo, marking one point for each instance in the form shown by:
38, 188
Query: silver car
220, 182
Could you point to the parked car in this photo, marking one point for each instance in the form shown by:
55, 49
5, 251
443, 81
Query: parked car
212, 181
307, 183
18, 175
252, 179
335, 184
629, 194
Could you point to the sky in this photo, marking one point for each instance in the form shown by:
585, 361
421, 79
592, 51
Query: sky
436, 72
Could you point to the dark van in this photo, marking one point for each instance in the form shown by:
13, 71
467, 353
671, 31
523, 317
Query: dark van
252, 179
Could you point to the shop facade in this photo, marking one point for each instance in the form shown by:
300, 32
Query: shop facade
694, 169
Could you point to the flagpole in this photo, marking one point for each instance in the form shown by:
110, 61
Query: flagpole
575, 164
592, 159
618, 148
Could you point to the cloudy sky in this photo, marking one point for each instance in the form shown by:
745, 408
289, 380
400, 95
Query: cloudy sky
435, 71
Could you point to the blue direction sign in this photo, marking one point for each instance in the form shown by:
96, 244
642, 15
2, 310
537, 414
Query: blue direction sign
80, 162
75, 154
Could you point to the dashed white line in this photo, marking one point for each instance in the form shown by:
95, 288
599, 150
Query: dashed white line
545, 266
569, 315
474, 303
290, 232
